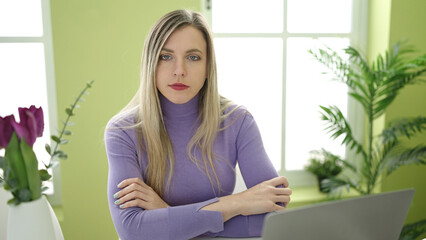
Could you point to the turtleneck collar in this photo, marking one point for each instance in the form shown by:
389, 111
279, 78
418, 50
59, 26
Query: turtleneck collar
172, 111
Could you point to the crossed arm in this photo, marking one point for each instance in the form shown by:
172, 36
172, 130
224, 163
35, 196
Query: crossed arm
261, 198
243, 212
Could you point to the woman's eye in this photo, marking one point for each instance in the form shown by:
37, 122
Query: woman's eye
165, 57
194, 58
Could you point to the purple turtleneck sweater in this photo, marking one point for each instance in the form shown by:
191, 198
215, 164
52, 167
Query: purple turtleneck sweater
190, 188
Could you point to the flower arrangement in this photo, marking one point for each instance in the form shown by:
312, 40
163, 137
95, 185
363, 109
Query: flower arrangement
19, 163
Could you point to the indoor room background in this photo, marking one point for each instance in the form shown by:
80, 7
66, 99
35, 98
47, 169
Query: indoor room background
102, 40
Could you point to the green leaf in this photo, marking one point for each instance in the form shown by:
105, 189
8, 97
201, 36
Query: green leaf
63, 155
407, 127
64, 141
48, 149
360, 99
337, 125
2, 162
67, 132
69, 112
415, 155
15, 173
56, 153
336, 185
44, 189
44, 175
413, 231
56, 139
24, 195
31, 167
89, 84
6, 186
13, 201
69, 123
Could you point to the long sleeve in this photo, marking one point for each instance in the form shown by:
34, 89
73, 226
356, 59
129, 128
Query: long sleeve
255, 168
180, 222
191, 189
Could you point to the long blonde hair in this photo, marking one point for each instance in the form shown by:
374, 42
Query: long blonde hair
153, 136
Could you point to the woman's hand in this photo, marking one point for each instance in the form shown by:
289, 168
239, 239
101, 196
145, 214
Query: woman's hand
135, 193
263, 198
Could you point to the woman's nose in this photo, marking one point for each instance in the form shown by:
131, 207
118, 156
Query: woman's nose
179, 69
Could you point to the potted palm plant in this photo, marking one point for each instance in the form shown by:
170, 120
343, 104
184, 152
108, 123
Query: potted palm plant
375, 85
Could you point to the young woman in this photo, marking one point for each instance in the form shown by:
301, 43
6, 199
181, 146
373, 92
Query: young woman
173, 149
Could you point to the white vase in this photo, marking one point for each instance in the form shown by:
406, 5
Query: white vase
4, 212
33, 220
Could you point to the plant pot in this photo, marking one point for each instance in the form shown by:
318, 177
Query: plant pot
33, 220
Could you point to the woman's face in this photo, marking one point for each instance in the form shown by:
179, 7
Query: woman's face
181, 69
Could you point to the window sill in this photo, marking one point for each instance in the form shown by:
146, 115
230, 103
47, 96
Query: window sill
303, 196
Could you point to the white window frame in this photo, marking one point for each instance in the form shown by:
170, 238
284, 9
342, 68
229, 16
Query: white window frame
357, 38
46, 40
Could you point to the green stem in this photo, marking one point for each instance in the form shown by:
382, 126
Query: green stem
370, 144
67, 120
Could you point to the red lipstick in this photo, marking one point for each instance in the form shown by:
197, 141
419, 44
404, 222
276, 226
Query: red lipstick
178, 86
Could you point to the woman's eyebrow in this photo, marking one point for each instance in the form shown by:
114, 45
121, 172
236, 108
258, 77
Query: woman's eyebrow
189, 51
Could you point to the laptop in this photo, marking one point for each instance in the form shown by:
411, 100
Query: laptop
379, 216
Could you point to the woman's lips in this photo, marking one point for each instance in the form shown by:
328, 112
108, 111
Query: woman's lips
178, 86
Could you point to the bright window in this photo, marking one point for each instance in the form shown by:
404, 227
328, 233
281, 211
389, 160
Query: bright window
263, 63
248, 87
26, 68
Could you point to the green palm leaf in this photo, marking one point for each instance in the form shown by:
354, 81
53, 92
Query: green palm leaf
413, 230
336, 185
334, 62
416, 155
330, 155
337, 126
389, 89
405, 127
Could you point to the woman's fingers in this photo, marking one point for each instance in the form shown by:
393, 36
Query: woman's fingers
281, 199
278, 181
134, 203
282, 191
136, 193
132, 184
130, 181
129, 189
278, 208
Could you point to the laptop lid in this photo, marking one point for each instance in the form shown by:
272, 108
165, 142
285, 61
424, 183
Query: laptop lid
378, 216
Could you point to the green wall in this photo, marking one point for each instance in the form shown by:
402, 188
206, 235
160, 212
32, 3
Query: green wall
407, 21
100, 40
390, 22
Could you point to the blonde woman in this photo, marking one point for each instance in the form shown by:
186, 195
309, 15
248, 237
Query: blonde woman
173, 149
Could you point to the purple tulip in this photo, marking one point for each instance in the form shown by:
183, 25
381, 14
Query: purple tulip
6, 130
38, 114
31, 124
